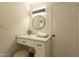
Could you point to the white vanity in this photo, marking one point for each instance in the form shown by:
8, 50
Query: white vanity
41, 45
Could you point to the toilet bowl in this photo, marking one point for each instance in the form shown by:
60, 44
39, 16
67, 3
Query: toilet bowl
21, 53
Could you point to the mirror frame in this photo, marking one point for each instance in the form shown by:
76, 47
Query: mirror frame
43, 21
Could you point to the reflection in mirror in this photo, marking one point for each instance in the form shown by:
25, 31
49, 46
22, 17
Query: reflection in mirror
38, 22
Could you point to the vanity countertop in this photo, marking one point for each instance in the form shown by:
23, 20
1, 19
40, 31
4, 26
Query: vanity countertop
33, 37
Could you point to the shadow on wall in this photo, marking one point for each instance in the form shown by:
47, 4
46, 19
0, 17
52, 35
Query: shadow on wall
15, 47
12, 48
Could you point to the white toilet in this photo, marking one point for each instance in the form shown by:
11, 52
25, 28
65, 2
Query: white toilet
21, 53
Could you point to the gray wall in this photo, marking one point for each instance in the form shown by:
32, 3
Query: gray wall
13, 19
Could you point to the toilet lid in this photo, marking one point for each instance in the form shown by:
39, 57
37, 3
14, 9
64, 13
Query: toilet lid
22, 53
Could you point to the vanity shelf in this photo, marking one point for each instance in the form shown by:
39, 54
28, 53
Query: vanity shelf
41, 45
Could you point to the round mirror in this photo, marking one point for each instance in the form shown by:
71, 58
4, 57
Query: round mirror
38, 22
